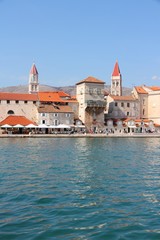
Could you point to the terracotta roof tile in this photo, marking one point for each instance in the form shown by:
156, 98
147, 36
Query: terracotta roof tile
14, 120
91, 80
49, 97
122, 98
140, 90
155, 88
18, 96
54, 109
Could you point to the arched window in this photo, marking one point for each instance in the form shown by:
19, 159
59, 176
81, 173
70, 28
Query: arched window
10, 112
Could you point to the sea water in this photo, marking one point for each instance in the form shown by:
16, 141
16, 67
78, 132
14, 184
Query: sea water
83, 188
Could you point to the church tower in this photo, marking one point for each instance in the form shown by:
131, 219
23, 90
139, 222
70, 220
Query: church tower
33, 80
116, 81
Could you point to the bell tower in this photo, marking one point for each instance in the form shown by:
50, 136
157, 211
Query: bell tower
33, 80
116, 81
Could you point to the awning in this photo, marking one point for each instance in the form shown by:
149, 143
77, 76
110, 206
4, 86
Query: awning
42, 126
31, 126
18, 126
63, 126
6, 126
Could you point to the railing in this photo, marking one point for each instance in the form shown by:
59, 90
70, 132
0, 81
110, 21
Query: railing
98, 103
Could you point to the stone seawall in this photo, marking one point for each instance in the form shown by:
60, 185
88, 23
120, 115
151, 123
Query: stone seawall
135, 135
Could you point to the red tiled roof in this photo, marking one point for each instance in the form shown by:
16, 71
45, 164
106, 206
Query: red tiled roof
155, 88
122, 98
91, 80
18, 96
14, 120
116, 70
63, 94
49, 97
54, 108
141, 90
33, 70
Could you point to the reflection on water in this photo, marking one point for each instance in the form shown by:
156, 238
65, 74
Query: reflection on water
79, 188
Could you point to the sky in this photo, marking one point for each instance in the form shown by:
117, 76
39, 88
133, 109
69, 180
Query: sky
69, 40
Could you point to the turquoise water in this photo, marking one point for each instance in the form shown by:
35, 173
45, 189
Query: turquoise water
79, 189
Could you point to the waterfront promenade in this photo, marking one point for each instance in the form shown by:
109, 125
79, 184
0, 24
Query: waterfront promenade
81, 135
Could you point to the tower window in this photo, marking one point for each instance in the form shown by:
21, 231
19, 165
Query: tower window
10, 112
143, 111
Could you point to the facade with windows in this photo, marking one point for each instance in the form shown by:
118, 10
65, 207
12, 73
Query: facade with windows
90, 96
149, 102
121, 107
18, 104
55, 115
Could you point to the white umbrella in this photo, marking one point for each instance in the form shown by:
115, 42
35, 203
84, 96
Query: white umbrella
31, 126
18, 126
42, 126
63, 126
52, 126
6, 126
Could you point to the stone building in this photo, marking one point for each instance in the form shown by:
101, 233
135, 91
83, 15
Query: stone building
149, 102
119, 106
19, 104
90, 96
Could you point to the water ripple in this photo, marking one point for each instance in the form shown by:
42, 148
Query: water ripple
79, 189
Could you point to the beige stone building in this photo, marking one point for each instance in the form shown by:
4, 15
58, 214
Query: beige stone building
149, 102
90, 95
19, 104
121, 107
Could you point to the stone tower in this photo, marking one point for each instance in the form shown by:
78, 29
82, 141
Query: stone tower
116, 81
33, 80
90, 95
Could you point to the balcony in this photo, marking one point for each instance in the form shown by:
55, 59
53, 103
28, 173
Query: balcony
98, 104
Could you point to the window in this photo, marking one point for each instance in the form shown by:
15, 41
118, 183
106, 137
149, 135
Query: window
17, 101
143, 101
8, 101
143, 111
43, 121
55, 122
43, 114
25, 102
67, 114
127, 113
116, 104
117, 83
55, 114
34, 102
122, 104
128, 104
10, 112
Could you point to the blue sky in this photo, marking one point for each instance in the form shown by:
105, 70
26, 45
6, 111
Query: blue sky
70, 40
